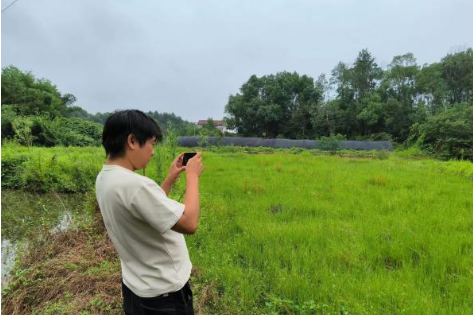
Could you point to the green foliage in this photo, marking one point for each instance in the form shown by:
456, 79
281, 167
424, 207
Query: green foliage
165, 120
331, 143
43, 130
171, 140
22, 129
59, 168
67, 132
179, 126
401, 103
31, 96
160, 155
369, 104
8, 115
165, 153
206, 132
457, 72
210, 129
203, 141
273, 105
448, 134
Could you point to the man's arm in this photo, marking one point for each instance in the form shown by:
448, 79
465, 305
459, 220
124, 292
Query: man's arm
167, 184
189, 220
174, 171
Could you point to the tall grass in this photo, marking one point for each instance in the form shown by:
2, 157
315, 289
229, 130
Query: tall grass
283, 232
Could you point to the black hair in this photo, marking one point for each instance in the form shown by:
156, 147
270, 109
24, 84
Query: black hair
121, 124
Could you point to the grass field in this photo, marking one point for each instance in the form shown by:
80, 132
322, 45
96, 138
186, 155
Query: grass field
284, 233
365, 236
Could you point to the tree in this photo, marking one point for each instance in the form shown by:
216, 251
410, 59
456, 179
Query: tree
8, 115
441, 85
356, 87
398, 93
431, 88
457, 72
180, 126
371, 114
274, 105
365, 75
31, 96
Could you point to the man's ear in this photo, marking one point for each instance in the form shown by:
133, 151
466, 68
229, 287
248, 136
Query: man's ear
131, 141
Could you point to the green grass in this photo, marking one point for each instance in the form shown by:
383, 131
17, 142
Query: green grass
301, 233
365, 236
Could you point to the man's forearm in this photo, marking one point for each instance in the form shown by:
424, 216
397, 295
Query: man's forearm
192, 200
167, 185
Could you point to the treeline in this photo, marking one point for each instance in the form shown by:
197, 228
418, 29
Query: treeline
34, 112
429, 105
165, 120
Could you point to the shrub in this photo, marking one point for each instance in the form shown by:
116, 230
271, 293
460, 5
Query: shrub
447, 135
331, 143
22, 128
46, 131
8, 114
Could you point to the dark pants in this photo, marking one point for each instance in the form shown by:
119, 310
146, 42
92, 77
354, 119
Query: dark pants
176, 303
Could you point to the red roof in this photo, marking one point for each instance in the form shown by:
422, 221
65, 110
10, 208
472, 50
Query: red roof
216, 122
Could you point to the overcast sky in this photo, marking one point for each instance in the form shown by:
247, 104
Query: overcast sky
187, 57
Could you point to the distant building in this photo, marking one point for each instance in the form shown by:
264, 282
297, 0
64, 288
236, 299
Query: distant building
220, 124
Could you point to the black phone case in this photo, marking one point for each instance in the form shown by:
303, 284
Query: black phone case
187, 156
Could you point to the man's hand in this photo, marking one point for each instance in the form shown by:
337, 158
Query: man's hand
189, 220
194, 166
175, 170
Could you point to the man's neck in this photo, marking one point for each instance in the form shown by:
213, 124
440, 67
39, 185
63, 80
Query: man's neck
123, 162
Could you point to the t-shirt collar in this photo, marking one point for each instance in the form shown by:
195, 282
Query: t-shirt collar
109, 167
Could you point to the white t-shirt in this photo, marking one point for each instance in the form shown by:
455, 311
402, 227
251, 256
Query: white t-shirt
138, 216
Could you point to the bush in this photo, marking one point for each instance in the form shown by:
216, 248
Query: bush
22, 128
59, 169
331, 143
8, 114
11, 167
48, 132
447, 135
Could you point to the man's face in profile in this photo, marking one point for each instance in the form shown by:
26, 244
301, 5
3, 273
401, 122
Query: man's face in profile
142, 154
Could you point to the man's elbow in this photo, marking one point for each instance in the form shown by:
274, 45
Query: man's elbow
185, 226
192, 229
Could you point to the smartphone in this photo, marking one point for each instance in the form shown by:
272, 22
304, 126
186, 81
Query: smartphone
187, 156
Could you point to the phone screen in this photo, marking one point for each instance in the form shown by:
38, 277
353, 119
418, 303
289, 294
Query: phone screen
187, 156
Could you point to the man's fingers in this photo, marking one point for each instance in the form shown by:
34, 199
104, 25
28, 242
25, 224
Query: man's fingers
178, 160
197, 156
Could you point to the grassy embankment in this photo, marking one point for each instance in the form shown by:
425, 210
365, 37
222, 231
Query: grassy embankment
279, 233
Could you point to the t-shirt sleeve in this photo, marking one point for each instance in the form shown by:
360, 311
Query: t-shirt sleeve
151, 204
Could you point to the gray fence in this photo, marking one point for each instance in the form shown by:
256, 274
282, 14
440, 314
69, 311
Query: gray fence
286, 143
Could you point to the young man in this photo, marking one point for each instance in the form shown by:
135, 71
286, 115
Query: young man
145, 226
